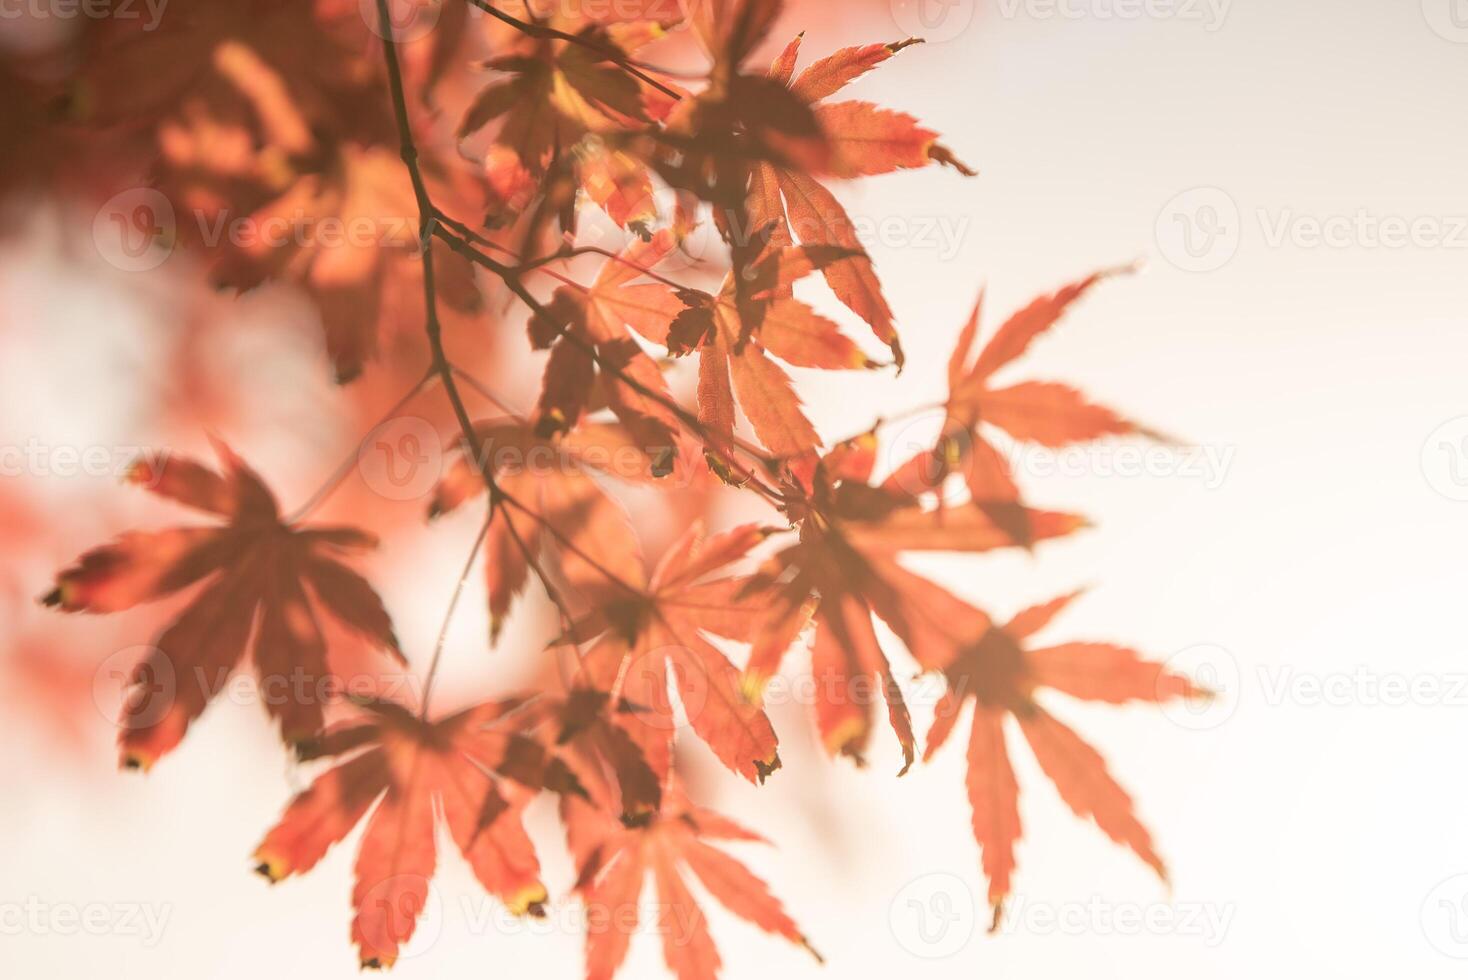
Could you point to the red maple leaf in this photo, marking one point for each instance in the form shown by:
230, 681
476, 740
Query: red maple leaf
844, 567
474, 769
1045, 413
614, 859
993, 667
255, 575
864, 140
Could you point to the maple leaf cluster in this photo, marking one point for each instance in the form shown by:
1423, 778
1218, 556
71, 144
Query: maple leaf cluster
483, 185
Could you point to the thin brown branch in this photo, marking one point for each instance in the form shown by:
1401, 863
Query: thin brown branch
607, 50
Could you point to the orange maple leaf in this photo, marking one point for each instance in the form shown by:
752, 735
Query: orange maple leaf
614, 859
474, 768
993, 666
256, 573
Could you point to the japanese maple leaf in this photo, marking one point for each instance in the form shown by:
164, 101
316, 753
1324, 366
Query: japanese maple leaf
599, 317
710, 143
864, 140
655, 628
474, 769
614, 859
557, 96
735, 335
558, 506
842, 569
278, 159
256, 574
139, 70
1044, 413
995, 668
337, 218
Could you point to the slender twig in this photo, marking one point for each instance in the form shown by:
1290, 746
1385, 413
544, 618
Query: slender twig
339, 476
608, 51
428, 225
689, 420
448, 616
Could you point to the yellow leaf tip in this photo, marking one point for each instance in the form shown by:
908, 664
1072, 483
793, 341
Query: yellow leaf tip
530, 901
